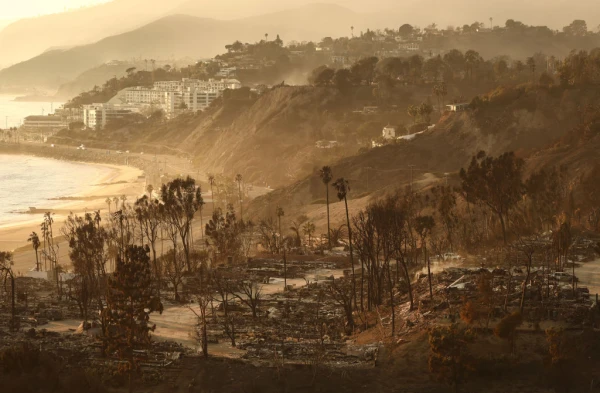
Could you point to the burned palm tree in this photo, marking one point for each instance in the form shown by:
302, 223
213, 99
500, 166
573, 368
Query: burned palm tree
326, 176
35, 243
238, 180
343, 187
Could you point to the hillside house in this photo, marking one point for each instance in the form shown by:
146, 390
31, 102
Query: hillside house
411, 46
326, 144
389, 133
458, 107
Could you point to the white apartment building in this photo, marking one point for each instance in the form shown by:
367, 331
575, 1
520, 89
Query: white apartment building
171, 95
50, 122
144, 95
185, 83
194, 100
96, 116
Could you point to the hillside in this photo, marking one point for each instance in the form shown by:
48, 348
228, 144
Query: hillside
271, 139
522, 119
30, 37
172, 37
490, 44
96, 76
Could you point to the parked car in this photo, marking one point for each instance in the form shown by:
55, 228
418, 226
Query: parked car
450, 256
561, 276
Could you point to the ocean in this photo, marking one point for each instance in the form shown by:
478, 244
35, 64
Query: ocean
27, 181
12, 113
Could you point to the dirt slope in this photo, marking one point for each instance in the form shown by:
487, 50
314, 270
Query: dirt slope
521, 119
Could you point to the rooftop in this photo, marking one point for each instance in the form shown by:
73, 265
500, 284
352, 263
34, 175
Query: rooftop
43, 118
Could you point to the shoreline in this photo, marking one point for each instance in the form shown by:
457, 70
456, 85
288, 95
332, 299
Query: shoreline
118, 180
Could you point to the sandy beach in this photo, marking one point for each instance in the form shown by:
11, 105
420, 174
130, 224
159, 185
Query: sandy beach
117, 181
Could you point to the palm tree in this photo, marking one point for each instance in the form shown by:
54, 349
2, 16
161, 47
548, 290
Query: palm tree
326, 177
211, 181
116, 202
309, 229
266, 37
44, 229
149, 190
280, 213
108, 202
343, 187
296, 229
123, 199
35, 243
97, 218
238, 179
352, 30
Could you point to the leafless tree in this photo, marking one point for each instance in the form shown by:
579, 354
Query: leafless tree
248, 291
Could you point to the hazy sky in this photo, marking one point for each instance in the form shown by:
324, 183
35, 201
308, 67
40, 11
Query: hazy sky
15, 9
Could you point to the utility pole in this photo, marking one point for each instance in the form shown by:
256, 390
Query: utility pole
412, 168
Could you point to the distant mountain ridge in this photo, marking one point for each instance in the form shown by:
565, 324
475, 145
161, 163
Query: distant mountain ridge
176, 36
29, 37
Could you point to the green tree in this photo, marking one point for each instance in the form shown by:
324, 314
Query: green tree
88, 256
406, 30
495, 182
223, 232
309, 230
150, 214
577, 28
472, 61
321, 76
342, 80
129, 302
364, 70
182, 199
